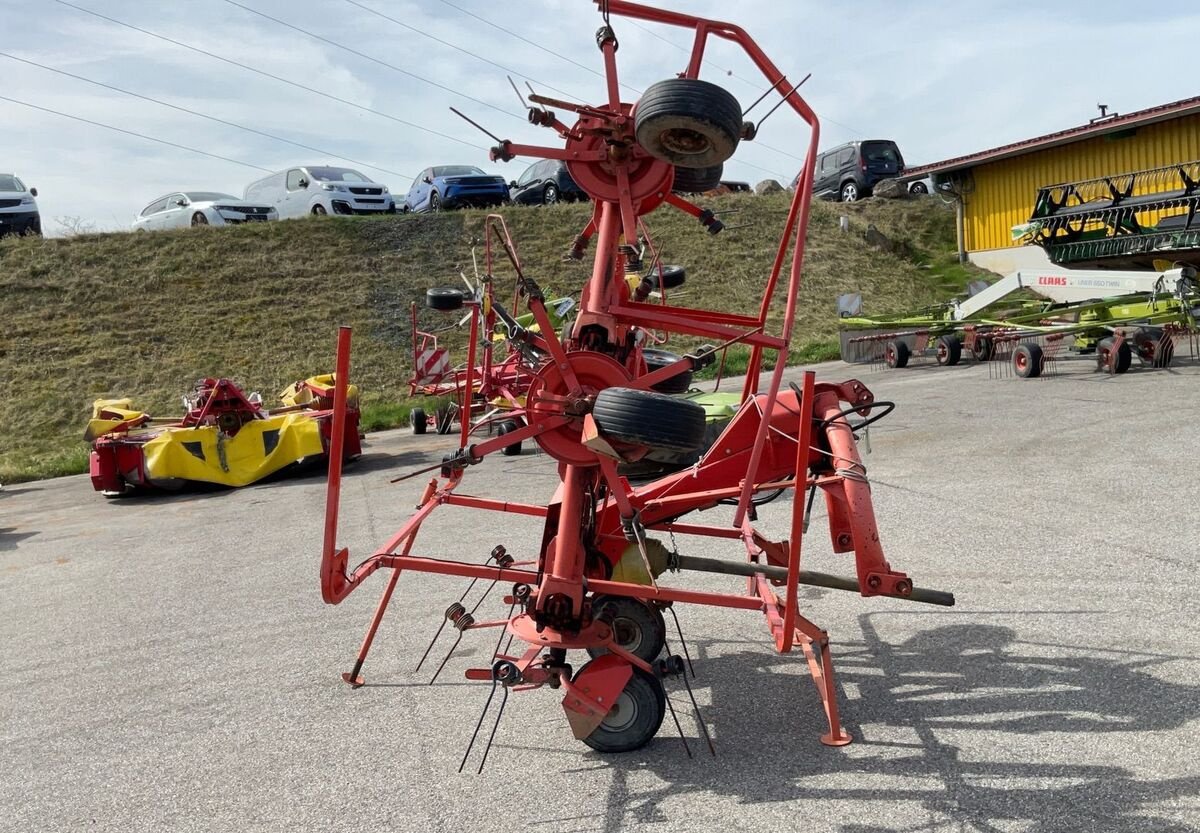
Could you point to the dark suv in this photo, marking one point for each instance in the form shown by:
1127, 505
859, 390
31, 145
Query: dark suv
545, 183
849, 172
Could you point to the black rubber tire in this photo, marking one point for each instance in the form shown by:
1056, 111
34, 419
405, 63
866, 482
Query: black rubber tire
634, 719
1120, 362
849, 191
199, 219
550, 194
649, 418
696, 180
319, 211
507, 427
656, 360
1027, 360
638, 627
443, 420
688, 122
896, 354
949, 351
435, 201
918, 188
444, 298
419, 420
984, 349
672, 277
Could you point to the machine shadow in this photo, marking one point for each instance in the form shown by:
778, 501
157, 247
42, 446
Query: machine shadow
971, 677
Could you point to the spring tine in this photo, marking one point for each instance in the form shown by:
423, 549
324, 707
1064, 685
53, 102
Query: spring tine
682, 642
492, 736
425, 655
812, 494
678, 727
446, 658
482, 715
496, 652
699, 717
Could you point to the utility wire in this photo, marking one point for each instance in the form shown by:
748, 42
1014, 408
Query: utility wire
372, 59
135, 133
266, 74
327, 153
455, 46
520, 37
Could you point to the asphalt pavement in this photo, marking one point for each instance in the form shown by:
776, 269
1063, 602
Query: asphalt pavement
168, 663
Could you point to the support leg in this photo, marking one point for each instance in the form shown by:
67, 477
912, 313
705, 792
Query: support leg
820, 666
354, 678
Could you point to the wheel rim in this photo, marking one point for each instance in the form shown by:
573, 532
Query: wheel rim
622, 715
627, 634
318, 210
434, 202
849, 193
1022, 361
199, 220
942, 352
551, 195
890, 353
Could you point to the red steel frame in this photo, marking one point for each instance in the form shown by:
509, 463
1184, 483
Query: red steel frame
797, 438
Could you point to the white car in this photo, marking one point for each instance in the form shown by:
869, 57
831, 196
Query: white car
201, 208
320, 190
18, 209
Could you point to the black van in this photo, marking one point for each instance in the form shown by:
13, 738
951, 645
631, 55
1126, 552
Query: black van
848, 172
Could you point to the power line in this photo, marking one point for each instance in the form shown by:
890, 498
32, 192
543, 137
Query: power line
273, 77
528, 41
203, 115
138, 135
459, 48
367, 57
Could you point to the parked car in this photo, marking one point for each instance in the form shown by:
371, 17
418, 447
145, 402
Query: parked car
18, 208
848, 172
453, 186
201, 208
545, 183
320, 190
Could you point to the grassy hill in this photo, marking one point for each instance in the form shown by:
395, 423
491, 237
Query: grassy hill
145, 315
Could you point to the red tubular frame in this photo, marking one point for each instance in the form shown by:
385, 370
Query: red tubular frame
775, 441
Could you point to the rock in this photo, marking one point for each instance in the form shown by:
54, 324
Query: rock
768, 186
890, 189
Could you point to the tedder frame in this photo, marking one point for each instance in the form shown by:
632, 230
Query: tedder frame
590, 406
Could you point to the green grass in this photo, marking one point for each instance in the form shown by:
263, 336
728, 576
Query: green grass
145, 315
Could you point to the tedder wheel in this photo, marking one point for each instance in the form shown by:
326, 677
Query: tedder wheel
658, 359
984, 349
637, 627
649, 418
896, 354
949, 351
696, 180
1120, 362
507, 427
672, 277
688, 122
634, 719
1027, 360
419, 420
444, 419
444, 298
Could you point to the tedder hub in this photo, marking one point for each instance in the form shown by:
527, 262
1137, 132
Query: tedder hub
590, 403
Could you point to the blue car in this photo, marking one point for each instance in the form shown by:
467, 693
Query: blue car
454, 186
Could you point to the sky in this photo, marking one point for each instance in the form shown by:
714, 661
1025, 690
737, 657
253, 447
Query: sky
942, 78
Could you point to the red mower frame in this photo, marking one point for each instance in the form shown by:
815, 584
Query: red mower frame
795, 438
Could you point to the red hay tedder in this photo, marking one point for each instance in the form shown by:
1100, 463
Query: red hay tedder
590, 405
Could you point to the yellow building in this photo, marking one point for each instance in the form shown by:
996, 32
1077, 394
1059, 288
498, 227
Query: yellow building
997, 187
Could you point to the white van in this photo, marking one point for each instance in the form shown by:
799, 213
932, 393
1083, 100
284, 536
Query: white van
18, 208
320, 189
